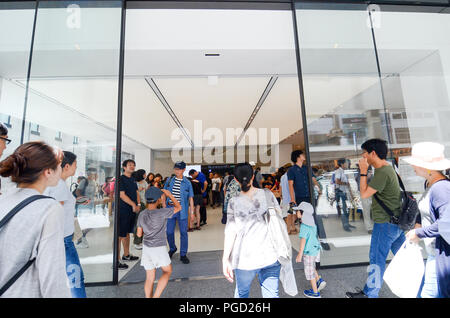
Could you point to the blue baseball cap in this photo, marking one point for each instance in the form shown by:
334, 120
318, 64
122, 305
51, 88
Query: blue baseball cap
180, 165
153, 194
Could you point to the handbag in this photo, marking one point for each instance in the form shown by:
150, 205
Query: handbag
3, 222
277, 231
282, 244
405, 272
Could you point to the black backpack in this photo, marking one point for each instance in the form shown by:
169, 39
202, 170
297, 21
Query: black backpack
83, 189
409, 209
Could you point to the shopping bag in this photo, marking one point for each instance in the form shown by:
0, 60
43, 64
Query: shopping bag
405, 272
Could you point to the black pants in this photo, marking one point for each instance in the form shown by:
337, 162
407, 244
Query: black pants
216, 197
203, 210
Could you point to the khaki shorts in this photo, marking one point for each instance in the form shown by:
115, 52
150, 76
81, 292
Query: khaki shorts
154, 257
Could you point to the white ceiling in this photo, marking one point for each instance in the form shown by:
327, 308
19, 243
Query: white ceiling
78, 68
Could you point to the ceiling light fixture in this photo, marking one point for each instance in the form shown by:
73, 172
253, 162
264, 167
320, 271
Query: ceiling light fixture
212, 54
258, 106
166, 105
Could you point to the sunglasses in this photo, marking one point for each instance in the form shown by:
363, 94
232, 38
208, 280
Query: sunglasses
7, 141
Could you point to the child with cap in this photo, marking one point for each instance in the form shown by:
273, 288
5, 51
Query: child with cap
152, 223
309, 249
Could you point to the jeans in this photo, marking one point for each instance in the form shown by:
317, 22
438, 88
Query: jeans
183, 224
430, 287
74, 269
268, 280
340, 195
385, 237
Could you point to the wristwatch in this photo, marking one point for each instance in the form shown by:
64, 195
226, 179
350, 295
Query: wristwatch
363, 175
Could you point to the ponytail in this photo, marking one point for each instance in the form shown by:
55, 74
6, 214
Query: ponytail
243, 173
28, 161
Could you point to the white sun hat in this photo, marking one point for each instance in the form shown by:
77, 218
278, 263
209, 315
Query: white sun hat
308, 211
428, 155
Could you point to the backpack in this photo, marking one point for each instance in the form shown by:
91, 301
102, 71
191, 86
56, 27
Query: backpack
196, 187
409, 209
82, 190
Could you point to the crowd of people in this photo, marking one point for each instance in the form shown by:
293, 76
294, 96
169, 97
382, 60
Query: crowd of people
42, 209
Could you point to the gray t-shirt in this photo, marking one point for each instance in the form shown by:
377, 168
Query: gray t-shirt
154, 223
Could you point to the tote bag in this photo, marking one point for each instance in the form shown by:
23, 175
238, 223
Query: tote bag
405, 272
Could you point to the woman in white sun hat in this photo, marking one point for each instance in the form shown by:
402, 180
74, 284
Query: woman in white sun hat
428, 161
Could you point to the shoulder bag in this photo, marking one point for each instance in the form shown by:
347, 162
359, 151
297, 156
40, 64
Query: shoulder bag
3, 222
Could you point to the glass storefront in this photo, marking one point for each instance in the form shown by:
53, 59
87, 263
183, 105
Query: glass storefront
214, 93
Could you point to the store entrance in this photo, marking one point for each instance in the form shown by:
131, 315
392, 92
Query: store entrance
210, 96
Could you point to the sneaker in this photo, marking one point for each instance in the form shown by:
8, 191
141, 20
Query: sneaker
122, 266
352, 226
321, 284
347, 229
82, 243
184, 260
138, 246
129, 258
311, 294
358, 294
171, 253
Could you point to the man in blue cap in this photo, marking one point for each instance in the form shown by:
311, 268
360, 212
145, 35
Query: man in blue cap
181, 189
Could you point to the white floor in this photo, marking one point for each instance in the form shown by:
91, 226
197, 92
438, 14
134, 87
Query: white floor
97, 259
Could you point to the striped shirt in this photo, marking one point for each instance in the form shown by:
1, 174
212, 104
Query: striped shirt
176, 190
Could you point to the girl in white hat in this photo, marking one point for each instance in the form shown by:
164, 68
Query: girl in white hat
309, 251
428, 161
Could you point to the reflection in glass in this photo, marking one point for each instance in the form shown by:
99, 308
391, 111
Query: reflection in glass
72, 104
344, 107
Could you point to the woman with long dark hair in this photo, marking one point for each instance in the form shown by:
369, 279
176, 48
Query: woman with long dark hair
35, 235
248, 249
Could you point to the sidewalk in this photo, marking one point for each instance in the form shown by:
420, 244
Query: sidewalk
339, 281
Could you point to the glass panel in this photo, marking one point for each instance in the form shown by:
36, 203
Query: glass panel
16, 29
195, 81
73, 95
414, 53
344, 107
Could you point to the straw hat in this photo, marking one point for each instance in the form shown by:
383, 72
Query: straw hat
428, 155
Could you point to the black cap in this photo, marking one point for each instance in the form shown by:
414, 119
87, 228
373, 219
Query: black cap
180, 165
153, 194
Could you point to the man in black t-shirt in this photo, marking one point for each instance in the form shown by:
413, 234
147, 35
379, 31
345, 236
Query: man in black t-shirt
129, 205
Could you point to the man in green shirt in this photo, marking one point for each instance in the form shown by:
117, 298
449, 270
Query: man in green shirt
386, 236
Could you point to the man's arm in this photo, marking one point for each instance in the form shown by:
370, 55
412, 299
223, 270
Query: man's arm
364, 189
127, 200
176, 204
291, 190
